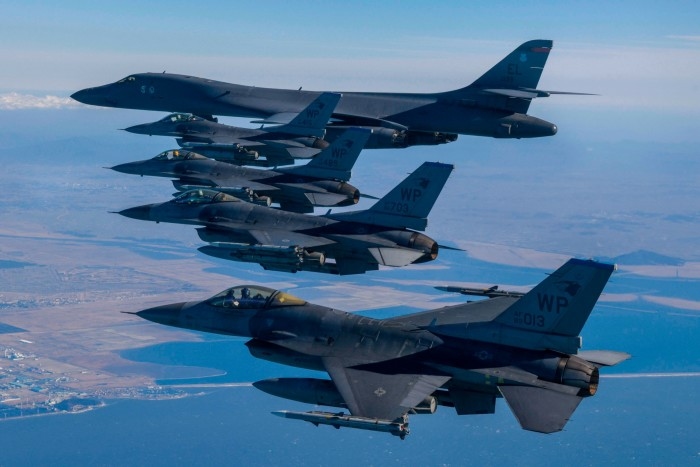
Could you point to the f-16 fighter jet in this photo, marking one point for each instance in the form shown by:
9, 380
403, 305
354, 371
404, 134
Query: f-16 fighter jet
495, 105
356, 241
321, 182
524, 349
301, 138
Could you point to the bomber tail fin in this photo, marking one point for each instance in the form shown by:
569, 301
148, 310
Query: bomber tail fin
312, 120
512, 82
409, 203
337, 160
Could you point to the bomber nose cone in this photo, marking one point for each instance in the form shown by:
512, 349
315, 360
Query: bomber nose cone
553, 130
142, 213
95, 96
82, 95
168, 315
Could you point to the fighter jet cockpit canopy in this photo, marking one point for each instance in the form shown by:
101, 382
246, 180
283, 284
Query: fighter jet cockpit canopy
178, 155
253, 296
202, 196
179, 118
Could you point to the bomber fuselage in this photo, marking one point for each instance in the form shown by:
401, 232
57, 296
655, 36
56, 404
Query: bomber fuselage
436, 112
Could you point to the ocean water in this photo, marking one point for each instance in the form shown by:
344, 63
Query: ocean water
234, 427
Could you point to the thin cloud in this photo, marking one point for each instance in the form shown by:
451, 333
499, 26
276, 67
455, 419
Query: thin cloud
691, 38
17, 101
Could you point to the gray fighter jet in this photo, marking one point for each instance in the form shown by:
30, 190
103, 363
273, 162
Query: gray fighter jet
494, 105
356, 241
524, 349
301, 138
243, 146
321, 182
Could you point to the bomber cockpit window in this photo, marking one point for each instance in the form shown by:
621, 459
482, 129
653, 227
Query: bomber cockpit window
128, 79
242, 297
203, 197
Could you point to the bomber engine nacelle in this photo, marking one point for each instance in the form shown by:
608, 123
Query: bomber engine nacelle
415, 241
387, 138
425, 138
390, 138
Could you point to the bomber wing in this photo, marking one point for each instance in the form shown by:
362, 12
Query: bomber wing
381, 396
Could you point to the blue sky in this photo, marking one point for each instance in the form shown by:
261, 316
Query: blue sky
637, 55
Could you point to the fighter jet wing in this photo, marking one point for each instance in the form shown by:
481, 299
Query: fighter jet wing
384, 252
374, 395
277, 119
281, 143
276, 237
222, 183
222, 140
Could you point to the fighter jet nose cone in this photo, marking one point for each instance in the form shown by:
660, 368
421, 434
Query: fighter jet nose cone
138, 129
139, 212
168, 315
128, 168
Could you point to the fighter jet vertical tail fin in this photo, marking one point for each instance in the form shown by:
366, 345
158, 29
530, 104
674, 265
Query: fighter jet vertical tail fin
559, 306
416, 194
313, 119
337, 160
512, 83
406, 206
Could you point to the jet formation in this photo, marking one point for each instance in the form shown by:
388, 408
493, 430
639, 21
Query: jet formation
356, 242
301, 138
322, 182
523, 347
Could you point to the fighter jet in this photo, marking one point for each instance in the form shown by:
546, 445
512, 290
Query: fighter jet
356, 241
524, 349
243, 146
495, 105
302, 137
321, 182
